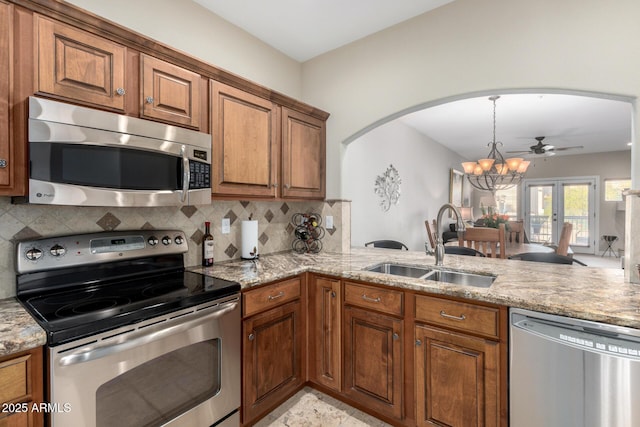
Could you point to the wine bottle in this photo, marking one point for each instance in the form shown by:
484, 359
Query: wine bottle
207, 246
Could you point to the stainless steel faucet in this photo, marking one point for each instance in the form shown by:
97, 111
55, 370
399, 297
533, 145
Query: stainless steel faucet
459, 226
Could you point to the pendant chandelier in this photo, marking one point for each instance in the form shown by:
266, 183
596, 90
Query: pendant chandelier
495, 172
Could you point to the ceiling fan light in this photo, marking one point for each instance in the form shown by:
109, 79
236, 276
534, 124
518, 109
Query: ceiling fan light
523, 166
514, 163
486, 164
469, 167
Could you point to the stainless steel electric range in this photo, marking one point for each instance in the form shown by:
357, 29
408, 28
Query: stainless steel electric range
132, 338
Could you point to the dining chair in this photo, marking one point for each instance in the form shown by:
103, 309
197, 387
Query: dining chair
462, 250
431, 233
516, 232
490, 241
390, 244
565, 238
545, 257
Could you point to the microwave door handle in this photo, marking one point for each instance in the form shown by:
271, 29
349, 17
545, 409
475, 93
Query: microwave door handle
186, 174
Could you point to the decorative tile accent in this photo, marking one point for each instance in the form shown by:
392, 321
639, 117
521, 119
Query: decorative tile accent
232, 216
25, 234
268, 215
331, 203
147, 226
196, 237
284, 208
290, 228
108, 222
188, 211
244, 203
331, 231
231, 250
263, 238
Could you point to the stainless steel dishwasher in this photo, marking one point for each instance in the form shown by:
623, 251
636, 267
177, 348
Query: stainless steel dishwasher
567, 372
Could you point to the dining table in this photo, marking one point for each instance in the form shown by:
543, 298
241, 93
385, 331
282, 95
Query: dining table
513, 248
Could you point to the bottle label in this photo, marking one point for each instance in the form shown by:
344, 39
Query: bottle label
208, 249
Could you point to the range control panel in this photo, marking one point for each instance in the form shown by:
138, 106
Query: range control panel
81, 249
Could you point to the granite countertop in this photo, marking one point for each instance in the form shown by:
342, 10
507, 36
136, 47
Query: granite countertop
567, 290
595, 294
18, 330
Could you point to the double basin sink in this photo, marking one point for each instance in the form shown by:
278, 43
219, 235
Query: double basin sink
448, 276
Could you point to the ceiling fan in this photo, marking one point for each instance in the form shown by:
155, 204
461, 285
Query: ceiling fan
544, 149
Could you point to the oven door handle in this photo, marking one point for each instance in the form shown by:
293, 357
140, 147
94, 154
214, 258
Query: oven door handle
186, 173
147, 335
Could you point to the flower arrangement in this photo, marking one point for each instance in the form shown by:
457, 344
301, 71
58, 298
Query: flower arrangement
493, 219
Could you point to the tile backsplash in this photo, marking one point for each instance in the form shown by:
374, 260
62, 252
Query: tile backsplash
275, 231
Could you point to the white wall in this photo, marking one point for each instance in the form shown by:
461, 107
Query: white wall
471, 46
187, 26
423, 166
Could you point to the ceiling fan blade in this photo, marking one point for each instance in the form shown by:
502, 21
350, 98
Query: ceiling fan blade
568, 148
519, 152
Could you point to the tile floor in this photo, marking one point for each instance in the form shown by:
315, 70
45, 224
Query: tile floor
311, 408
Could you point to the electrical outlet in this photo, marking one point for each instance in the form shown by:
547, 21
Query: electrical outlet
329, 222
226, 226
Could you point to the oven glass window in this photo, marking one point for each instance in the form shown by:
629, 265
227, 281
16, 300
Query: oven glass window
161, 389
105, 167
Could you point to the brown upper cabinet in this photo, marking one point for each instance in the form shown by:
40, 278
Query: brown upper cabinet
6, 162
169, 93
264, 150
80, 66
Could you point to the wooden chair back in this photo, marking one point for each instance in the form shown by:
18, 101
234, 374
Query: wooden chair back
565, 238
489, 241
516, 233
431, 233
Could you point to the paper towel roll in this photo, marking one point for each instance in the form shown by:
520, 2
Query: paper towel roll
249, 239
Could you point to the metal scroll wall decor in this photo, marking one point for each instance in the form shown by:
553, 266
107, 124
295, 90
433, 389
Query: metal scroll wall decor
387, 187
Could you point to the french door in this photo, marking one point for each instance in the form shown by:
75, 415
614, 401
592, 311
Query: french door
550, 203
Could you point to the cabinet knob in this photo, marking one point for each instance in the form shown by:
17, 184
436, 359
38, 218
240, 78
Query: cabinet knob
149, 99
418, 343
333, 294
120, 91
395, 336
251, 337
3, 163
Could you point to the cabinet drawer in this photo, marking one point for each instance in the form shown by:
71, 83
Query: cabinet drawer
14, 379
384, 300
271, 296
458, 315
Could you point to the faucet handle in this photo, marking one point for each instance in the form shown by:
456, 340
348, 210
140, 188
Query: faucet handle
428, 249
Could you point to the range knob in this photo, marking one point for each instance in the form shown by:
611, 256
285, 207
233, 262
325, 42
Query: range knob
166, 240
57, 250
179, 240
33, 254
152, 241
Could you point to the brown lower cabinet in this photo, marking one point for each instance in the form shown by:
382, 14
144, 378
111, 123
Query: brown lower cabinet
272, 347
21, 385
409, 358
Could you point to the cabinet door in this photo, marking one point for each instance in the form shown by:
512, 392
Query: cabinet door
272, 358
245, 143
169, 93
80, 66
325, 336
373, 360
456, 379
303, 156
19, 419
6, 162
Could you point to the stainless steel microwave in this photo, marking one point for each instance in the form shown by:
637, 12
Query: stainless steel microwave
86, 157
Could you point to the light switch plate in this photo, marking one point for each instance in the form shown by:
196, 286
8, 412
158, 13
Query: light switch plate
226, 226
329, 222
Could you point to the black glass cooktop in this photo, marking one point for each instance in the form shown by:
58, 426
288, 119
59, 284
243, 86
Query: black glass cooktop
71, 313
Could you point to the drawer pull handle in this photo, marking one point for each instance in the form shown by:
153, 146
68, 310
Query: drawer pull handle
448, 316
274, 297
369, 299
